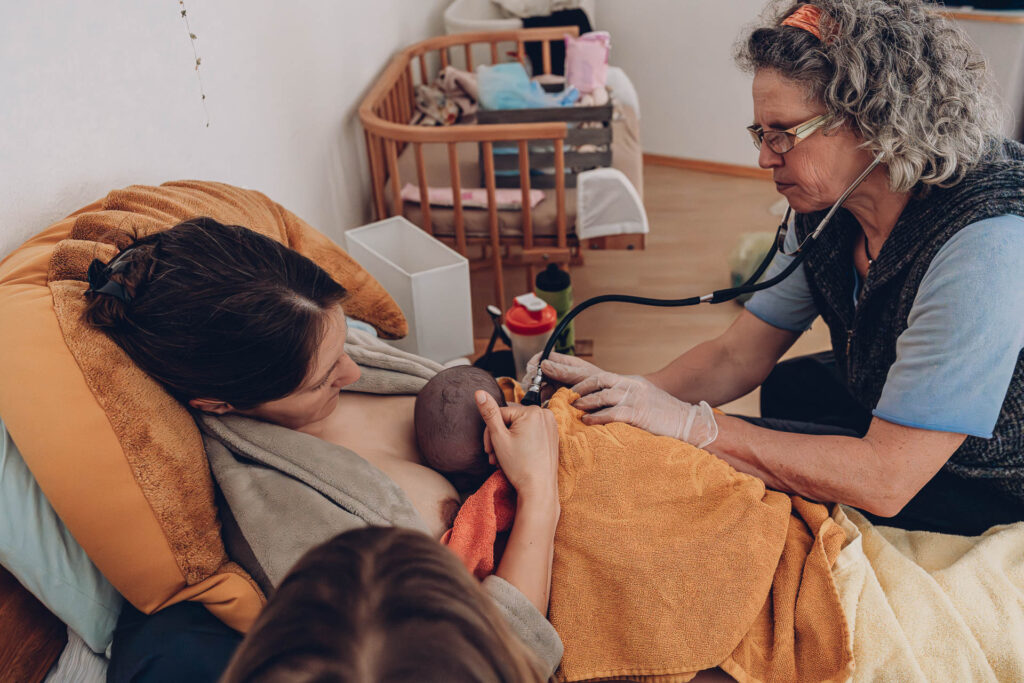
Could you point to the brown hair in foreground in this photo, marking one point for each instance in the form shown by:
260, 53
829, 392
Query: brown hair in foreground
217, 311
381, 604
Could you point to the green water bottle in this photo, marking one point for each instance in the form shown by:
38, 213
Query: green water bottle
554, 286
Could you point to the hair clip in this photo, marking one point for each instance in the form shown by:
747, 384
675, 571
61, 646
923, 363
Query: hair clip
811, 19
100, 282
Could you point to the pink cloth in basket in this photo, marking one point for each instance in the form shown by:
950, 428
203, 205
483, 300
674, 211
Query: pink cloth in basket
474, 197
586, 60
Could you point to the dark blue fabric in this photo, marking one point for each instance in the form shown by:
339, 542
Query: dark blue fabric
809, 390
806, 395
183, 642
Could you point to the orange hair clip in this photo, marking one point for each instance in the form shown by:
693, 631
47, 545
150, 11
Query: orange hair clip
807, 17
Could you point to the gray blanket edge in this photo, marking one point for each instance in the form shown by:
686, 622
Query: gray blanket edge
287, 491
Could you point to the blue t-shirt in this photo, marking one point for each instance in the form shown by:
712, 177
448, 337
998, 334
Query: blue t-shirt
965, 330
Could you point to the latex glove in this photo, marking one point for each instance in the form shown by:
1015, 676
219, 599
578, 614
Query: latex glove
633, 399
560, 367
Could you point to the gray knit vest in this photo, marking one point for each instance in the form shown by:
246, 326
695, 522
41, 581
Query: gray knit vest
864, 336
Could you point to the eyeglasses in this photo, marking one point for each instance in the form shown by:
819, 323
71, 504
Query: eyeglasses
781, 141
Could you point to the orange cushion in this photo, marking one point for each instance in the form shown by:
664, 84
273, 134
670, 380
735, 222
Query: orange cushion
120, 460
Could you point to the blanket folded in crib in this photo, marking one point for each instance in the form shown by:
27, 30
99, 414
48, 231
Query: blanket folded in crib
668, 561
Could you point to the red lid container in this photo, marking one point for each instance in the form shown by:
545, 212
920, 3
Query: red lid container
531, 315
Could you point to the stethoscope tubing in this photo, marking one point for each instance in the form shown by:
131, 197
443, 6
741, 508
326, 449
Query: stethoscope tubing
751, 285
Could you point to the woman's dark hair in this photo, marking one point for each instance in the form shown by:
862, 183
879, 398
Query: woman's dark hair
381, 604
217, 311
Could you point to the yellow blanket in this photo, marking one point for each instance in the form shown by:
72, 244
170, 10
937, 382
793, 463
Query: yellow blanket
668, 561
932, 607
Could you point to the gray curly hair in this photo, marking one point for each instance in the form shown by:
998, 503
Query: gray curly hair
907, 80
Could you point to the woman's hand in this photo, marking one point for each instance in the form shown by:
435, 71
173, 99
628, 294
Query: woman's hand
632, 399
526, 449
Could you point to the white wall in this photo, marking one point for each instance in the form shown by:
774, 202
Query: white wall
1003, 46
101, 94
694, 101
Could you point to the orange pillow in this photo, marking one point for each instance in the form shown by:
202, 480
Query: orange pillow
120, 460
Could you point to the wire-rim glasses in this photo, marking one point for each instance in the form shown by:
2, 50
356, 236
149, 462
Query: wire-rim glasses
782, 141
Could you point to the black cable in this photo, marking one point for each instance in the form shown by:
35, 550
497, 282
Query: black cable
532, 397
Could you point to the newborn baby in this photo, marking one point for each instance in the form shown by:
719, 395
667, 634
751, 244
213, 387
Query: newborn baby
449, 429
640, 517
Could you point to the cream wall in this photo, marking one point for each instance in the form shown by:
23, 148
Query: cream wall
696, 102
1003, 46
678, 53
101, 94
97, 95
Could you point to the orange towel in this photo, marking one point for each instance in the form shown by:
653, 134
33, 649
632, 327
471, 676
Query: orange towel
481, 527
668, 562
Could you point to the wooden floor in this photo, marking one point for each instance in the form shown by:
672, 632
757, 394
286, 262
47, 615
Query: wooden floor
696, 219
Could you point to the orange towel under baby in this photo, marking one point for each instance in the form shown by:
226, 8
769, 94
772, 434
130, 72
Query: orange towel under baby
668, 561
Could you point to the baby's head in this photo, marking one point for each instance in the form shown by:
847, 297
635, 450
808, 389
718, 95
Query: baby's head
449, 429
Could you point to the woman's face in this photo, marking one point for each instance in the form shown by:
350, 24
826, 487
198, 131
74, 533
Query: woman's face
813, 174
317, 396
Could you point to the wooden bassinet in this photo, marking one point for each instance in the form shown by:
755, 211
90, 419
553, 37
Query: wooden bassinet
450, 156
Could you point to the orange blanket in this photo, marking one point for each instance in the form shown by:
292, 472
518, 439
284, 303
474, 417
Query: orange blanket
668, 561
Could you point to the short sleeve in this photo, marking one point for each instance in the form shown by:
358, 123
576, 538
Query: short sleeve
965, 331
789, 304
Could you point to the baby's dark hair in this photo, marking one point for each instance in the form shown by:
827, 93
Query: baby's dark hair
381, 604
216, 311
449, 429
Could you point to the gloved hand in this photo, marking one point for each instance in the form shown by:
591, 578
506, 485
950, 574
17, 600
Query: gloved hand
633, 399
570, 369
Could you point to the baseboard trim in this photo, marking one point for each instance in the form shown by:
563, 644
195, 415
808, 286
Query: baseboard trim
708, 166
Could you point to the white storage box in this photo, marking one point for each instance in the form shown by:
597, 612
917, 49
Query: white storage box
429, 281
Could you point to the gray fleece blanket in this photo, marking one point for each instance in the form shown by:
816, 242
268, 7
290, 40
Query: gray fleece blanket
283, 492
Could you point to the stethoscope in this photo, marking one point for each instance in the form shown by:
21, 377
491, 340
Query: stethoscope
532, 397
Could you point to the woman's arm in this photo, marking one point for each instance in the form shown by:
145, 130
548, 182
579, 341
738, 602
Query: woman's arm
526, 562
669, 401
717, 371
879, 473
527, 452
729, 366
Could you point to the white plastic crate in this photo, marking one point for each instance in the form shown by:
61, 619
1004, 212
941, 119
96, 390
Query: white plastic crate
428, 280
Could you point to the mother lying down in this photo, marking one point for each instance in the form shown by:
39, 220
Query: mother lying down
252, 336
233, 323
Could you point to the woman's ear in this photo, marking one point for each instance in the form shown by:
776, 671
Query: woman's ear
211, 405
